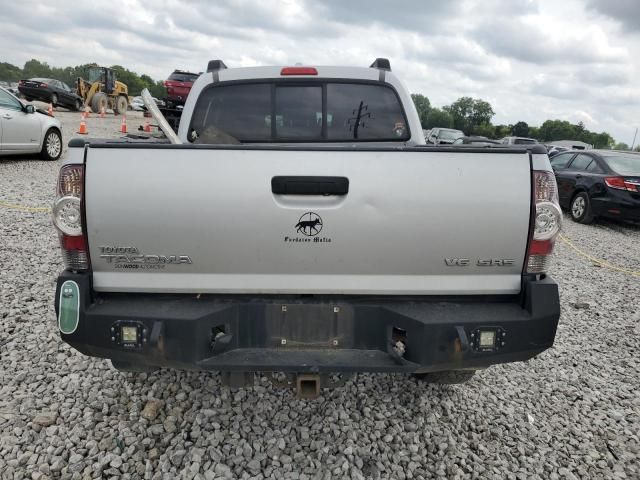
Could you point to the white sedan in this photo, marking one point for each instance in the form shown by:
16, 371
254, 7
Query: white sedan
24, 130
137, 104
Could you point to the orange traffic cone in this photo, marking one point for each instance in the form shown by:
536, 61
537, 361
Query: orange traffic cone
147, 127
83, 127
102, 111
50, 110
123, 125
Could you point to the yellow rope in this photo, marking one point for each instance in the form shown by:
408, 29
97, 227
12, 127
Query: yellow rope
23, 208
597, 261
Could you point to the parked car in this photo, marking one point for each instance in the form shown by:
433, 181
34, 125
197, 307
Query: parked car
137, 104
444, 135
261, 245
518, 141
51, 91
25, 129
573, 144
553, 150
477, 141
178, 86
599, 183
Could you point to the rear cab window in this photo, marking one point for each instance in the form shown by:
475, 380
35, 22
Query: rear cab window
300, 111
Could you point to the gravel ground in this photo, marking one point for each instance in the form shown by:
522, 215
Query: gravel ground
573, 412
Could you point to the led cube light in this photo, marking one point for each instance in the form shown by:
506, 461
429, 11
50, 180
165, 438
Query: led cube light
487, 339
129, 334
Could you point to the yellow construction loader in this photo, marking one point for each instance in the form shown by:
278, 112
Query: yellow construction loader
102, 90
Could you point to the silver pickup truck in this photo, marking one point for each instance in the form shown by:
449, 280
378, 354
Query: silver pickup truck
300, 224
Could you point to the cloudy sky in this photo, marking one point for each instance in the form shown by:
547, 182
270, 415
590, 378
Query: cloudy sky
531, 59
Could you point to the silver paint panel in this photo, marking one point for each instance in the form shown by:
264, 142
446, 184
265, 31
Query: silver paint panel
404, 214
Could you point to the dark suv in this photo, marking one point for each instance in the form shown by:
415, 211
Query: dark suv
178, 86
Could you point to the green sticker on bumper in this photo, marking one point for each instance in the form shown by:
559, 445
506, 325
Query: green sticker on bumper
69, 313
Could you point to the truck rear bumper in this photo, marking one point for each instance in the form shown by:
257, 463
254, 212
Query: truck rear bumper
314, 334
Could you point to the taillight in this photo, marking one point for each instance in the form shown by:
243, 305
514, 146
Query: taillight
547, 221
620, 183
67, 217
298, 71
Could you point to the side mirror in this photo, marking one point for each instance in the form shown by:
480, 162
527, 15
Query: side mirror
29, 109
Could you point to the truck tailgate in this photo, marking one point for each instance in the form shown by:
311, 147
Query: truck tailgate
205, 220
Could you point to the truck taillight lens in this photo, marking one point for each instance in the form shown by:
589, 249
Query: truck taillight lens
67, 217
547, 221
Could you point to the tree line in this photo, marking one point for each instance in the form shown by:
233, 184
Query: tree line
473, 117
34, 69
470, 115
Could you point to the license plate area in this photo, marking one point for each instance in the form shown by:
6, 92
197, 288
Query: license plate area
310, 326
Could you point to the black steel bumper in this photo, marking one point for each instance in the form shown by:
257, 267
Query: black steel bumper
314, 334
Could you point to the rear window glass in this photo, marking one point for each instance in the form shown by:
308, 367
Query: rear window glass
183, 77
298, 112
363, 112
624, 164
242, 111
313, 112
524, 141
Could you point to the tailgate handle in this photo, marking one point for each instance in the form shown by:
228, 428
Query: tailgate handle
310, 185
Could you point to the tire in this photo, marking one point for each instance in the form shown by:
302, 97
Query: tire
580, 209
51, 145
127, 367
54, 99
121, 105
98, 101
77, 106
449, 377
